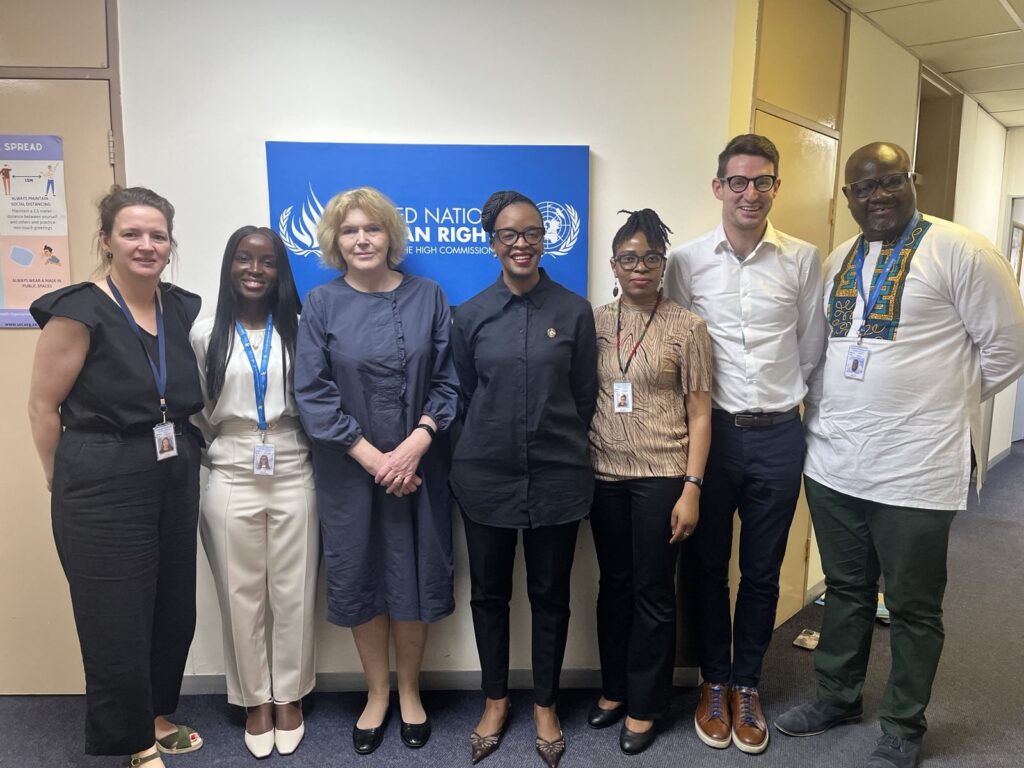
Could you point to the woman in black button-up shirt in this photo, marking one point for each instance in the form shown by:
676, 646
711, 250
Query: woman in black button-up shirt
525, 352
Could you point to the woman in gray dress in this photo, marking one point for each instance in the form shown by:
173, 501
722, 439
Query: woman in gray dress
376, 389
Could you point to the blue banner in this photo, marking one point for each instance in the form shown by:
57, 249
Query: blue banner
439, 190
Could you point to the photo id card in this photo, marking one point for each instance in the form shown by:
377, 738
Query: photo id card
622, 396
164, 441
263, 459
856, 362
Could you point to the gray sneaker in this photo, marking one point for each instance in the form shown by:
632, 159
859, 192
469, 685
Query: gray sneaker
815, 717
895, 752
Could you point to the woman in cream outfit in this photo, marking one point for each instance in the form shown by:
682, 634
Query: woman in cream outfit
258, 517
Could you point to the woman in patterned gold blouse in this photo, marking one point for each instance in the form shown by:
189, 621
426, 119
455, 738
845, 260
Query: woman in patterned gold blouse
649, 440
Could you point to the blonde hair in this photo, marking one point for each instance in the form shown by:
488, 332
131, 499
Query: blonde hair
377, 207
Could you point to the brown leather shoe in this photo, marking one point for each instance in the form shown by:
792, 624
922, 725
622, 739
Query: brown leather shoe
749, 729
712, 720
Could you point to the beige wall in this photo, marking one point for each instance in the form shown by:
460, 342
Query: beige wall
880, 104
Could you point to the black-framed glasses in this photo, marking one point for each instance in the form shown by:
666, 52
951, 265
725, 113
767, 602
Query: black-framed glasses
740, 183
531, 235
630, 261
892, 182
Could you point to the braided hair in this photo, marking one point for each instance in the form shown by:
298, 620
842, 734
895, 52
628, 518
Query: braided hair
498, 202
648, 222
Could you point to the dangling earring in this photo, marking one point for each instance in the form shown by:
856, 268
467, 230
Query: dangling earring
615, 290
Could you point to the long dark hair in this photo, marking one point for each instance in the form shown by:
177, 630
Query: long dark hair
283, 302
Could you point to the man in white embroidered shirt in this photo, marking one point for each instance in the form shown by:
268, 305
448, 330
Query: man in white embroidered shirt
931, 314
760, 292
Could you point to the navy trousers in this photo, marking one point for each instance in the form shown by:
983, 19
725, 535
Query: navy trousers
756, 471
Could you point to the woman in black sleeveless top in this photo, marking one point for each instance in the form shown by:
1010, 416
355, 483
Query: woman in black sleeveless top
113, 384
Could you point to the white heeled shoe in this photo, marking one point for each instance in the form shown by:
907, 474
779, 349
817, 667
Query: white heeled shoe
288, 741
260, 744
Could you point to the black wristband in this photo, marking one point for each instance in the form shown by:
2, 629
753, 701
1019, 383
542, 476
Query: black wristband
698, 481
428, 429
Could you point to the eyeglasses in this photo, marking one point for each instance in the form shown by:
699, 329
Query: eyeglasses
630, 261
893, 182
740, 183
531, 235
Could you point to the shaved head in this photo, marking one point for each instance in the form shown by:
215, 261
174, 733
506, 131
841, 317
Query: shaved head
883, 206
879, 152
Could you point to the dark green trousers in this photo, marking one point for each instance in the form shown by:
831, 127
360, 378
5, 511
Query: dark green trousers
860, 540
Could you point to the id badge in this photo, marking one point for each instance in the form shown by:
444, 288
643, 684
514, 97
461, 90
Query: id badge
856, 362
622, 396
164, 441
263, 459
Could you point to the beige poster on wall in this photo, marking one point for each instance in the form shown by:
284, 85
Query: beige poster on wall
33, 224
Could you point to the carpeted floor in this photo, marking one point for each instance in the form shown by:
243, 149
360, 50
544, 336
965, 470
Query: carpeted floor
977, 698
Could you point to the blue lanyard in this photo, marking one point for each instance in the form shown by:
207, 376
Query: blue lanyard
876, 287
159, 374
259, 375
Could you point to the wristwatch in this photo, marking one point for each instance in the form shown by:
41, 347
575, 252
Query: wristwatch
698, 481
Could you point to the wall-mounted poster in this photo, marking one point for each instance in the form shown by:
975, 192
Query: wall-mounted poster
33, 224
439, 190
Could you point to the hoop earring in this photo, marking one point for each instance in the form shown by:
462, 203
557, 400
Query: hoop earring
615, 290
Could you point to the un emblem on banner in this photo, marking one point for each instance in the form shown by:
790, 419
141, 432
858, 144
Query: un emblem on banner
299, 232
561, 228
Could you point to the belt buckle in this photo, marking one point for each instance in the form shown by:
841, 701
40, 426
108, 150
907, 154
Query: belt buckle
745, 420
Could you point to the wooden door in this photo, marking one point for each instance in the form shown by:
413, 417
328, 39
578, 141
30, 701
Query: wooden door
38, 645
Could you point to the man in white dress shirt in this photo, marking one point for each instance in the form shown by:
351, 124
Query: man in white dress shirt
929, 327
760, 292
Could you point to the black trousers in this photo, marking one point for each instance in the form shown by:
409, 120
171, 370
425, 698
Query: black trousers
549, 553
636, 602
125, 529
758, 471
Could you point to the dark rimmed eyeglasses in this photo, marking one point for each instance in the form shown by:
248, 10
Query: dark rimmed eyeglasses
892, 182
531, 235
630, 261
740, 183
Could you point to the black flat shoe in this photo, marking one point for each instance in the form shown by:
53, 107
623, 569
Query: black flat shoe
365, 740
633, 743
415, 735
602, 718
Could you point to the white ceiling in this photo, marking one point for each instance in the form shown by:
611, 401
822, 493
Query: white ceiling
978, 45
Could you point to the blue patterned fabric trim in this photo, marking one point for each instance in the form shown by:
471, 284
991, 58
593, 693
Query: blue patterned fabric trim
884, 319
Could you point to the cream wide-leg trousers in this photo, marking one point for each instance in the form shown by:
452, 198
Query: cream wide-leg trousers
261, 536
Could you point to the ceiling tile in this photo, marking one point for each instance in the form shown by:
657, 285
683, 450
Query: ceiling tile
973, 52
1005, 78
1018, 6
1013, 119
1001, 101
943, 20
869, 6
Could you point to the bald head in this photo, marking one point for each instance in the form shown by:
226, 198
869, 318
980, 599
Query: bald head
880, 190
879, 152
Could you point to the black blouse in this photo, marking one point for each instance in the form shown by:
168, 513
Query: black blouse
527, 367
115, 391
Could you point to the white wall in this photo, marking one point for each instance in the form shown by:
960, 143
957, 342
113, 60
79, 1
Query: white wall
979, 206
872, 112
205, 84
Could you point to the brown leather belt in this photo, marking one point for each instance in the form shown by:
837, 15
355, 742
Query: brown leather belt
757, 420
